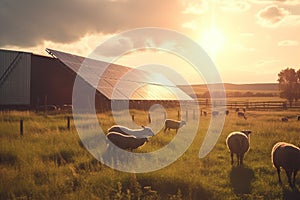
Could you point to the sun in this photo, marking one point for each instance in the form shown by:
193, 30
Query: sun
212, 40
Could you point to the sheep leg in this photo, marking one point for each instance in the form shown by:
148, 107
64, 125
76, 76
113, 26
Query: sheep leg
231, 155
238, 159
289, 175
278, 173
241, 159
165, 129
294, 178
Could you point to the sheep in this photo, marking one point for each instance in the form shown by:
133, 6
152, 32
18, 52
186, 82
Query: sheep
241, 114
126, 141
226, 112
139, 133
238, 143
298, 117
173, 124
287, 156
215, 113
284, 119
237, 109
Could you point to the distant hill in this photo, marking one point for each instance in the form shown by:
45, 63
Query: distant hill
247, 87
236, 90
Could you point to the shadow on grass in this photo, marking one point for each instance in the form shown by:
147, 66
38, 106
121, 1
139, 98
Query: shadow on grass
240, 179
288, 194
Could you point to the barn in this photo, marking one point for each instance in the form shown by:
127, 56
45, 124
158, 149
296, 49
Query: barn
30, 81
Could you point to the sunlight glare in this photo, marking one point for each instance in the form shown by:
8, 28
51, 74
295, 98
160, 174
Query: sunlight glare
212, 40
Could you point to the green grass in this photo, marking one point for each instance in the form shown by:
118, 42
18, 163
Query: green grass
49, 161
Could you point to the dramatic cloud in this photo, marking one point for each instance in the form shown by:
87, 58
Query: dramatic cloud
271, 16
28, 23
288, 43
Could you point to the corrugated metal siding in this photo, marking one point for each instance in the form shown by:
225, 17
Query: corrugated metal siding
15, 86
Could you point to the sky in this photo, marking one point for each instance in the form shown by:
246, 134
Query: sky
249, 41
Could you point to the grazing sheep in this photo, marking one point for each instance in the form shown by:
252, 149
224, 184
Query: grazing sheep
173, 124
139, 133
238, 143
287, 156
284, 119
125, 141
242, 114
215, 113
226, 112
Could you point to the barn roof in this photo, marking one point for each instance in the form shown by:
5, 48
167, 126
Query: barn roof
118, 82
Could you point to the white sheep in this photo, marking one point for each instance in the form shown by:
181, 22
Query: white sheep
139, 133
126, 141
238, 143
287, 156
241, 114
173, 124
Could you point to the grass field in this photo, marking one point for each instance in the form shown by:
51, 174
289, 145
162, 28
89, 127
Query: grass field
49, 162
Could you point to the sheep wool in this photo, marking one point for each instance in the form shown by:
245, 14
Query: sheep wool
238, 143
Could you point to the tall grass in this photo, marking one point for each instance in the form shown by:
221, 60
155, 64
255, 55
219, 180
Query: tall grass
50, 162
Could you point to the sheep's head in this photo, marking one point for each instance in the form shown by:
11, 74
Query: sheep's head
147, 131
182, 123
246, 132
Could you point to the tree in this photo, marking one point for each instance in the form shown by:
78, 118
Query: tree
289, 84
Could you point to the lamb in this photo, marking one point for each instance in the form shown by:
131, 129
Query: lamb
126, 141
238, 143
173, 124
242, 114
287, 156
284, 119
139, 133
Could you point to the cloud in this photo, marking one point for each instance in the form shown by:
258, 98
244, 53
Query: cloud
288, 43
287, 2
272, 16
28, 23
235, 5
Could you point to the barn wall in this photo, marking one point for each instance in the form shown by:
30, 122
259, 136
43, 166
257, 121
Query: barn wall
15, 75
51, 82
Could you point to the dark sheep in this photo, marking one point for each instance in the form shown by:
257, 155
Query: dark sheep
173, 124
287, 156
125, 141
242, 114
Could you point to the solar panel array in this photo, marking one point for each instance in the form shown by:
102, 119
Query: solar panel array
118, 82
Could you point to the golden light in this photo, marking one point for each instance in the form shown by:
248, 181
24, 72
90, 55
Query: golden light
212, 41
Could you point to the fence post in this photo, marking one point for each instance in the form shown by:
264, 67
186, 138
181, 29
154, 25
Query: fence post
68, 122
21, 128
132, 117
186, 115
149, 118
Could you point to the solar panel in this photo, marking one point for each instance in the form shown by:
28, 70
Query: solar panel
118, 82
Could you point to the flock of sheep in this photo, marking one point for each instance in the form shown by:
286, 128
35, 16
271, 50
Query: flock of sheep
283, 155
